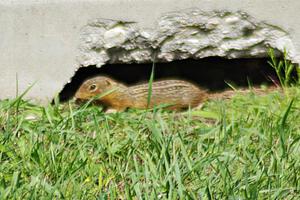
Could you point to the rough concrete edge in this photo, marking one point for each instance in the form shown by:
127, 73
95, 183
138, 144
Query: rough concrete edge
216, 33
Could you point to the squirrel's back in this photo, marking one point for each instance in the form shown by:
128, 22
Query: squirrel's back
178, 94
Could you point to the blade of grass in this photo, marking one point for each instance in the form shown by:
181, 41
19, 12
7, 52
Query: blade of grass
150, 85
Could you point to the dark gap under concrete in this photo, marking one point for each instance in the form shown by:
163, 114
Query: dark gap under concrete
211, 73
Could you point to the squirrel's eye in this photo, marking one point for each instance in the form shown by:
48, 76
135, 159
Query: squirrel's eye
92, 87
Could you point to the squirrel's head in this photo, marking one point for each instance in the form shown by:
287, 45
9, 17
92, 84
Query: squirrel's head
94, 86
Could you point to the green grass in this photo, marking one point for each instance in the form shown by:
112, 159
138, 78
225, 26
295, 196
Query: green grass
244, 148
283, 68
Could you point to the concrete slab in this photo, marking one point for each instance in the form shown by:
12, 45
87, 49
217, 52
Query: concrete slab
44, 42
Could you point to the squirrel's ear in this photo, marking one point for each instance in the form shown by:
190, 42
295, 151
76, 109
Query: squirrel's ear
107, 82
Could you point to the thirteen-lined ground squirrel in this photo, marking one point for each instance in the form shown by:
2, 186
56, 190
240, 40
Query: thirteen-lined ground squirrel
177, 93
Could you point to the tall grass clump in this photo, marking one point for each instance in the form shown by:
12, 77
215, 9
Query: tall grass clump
283, 68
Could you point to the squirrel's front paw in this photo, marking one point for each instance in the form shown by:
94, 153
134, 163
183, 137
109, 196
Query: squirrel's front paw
111, 110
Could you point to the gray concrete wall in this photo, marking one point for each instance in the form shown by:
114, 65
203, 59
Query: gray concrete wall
44, 42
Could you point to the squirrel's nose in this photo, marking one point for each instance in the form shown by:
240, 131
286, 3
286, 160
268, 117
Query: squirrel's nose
78, 95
